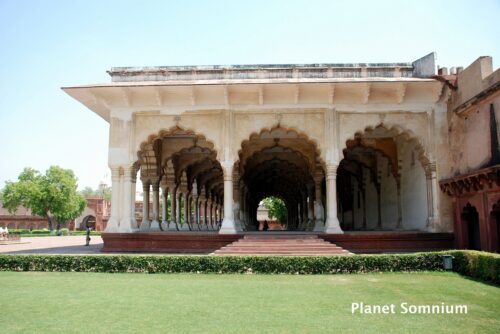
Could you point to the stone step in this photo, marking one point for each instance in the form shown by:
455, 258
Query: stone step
312, 253
281, 236
279, 247
281, 244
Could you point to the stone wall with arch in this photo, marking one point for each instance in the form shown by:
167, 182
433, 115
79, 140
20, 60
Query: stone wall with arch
392, 170
308, 123
148, 127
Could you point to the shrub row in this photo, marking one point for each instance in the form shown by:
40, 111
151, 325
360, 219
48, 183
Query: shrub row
226, 264
480, 265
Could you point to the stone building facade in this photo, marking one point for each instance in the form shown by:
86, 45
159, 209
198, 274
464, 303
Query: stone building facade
474, 182
347, 146
95, 215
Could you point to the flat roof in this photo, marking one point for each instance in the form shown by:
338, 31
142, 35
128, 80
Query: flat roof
421, 68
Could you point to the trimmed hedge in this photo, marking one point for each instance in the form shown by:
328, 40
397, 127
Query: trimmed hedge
223, 264
480, 265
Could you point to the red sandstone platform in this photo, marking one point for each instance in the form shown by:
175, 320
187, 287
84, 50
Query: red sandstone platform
209, 242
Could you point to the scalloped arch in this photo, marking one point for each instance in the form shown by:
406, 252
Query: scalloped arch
171, 131
395, 130
255, 135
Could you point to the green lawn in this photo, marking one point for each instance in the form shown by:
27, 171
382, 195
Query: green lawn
185, 303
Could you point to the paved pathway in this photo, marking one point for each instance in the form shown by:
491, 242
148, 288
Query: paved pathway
54, 245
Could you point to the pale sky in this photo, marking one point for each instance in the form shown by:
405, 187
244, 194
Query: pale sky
49, 44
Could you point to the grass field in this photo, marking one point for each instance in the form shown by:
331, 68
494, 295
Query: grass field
188, 303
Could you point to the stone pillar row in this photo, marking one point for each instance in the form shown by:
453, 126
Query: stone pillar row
205, 212
199, 213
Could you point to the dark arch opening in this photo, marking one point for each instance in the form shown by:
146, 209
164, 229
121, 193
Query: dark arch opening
88, 221
278, 163
381, 182
470, 219
495, 227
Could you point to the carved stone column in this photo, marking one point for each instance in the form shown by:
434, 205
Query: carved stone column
197, 221
132, 197
185, 225
173, 214
318, 205
310, 203
127, 223
164, 208
228, 226
178, 210
114, 219
187, 211
399, 224
432, 197
305, 213
155, 223
206, 220
236, 201
145, 205
332, 224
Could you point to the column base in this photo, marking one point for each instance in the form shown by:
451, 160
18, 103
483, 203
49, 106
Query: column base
172, 226
112, 225
183, 227
228, 227
128, 225
164, 225
144, 225
310, 224
238, 225
155, 226
432, 223
332, 226
318, 226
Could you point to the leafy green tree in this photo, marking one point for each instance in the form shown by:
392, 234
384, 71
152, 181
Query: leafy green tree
277, 208
52, 195
103, 191
88, 192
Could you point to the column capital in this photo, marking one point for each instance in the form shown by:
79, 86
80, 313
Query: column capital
115, 172
331, 171
227, 169
129, 173
430, 168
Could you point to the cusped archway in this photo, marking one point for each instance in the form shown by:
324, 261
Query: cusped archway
181, 164
382, 181
278, 162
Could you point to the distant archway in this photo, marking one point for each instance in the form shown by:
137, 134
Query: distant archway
470, 221
495, 228
88, 221
279, 162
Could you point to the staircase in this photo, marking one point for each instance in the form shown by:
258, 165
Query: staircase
281, 244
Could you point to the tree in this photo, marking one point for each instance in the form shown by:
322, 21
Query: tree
277, 208
52, 195
88, 192
103, 191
